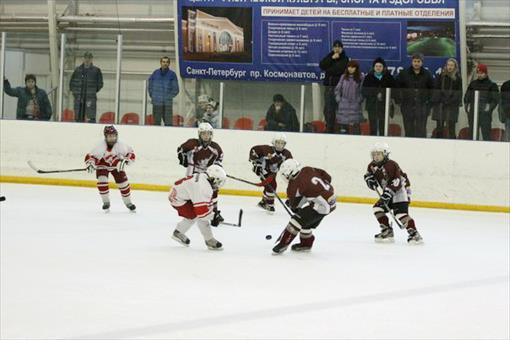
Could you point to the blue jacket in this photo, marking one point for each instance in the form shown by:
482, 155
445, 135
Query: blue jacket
163, 87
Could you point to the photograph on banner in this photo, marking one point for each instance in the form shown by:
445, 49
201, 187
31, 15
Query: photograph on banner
431, 38
217, 34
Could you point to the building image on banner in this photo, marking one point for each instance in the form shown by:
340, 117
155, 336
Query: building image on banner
431, 38
213, 37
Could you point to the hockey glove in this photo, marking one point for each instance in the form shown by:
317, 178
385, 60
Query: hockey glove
122, 164
217, 219
258, 169
371, 181
387, 195
91, 166
183, 159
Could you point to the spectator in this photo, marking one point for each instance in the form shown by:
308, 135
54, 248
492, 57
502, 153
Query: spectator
86, 82
281, 116
415, 85
33, 103
348, 96
211, 114
203, 101
374, 91
163, 87
447, 98
333, 65
504, 108
489, 98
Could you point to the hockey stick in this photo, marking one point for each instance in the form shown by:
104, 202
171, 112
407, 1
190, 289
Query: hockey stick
39, 171
265, 183
400, 225
239, 220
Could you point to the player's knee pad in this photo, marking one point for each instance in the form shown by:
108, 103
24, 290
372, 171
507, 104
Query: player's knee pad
404, 219
294, 227
305, 233
378, 211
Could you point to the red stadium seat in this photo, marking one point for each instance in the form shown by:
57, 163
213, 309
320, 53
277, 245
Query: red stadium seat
464, 133
497, 135
365, 128
225, 123
149, 120
107, 118
130, 118
68, 115
262, 124
394, 130
318, 126
244, 123
177, 120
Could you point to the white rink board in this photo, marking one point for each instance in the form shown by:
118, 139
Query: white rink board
446, 171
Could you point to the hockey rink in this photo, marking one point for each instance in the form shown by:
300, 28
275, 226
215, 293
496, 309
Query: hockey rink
69, 271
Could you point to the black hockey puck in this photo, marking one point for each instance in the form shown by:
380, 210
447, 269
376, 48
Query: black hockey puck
2, 198
268, 237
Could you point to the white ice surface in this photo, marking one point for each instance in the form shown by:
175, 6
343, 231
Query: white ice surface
70, 271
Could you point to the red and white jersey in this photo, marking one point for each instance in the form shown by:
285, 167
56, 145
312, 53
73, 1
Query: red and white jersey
200, 157
195, 189
106, 158
312, 186
390, 175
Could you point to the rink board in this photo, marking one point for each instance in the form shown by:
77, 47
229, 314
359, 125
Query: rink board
448, 174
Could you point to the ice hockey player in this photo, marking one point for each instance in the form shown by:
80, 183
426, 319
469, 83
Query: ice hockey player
111, 156
387, 174
310, 197
192, 197
197, 154
266, 160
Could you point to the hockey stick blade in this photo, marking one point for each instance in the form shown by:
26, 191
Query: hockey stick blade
239, 221
39, 171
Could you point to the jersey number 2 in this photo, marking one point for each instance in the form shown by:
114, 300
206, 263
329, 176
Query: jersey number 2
317, 180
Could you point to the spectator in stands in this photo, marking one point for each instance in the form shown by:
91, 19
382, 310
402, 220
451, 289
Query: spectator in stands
333, 65
163, 87
447, 98
504, 108
488, 100
281, 116
374, 91
211, 114
349, 99
415, 86
33, 102
86, 82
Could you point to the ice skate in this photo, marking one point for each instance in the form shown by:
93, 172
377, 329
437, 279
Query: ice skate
283, 242
414, 237
106, 207
385, 236
267, 207
181, 238
131, 207
213, 244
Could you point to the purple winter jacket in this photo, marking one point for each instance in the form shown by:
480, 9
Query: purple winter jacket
349, 99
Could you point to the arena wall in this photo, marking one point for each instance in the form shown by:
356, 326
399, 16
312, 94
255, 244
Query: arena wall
446, 174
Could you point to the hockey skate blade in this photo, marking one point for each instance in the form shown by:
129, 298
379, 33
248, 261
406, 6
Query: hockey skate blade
106, 211
415, 243
215, 249
179, 241
301, 250
385, 240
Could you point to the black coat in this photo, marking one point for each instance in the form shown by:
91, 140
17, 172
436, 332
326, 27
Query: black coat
414, 89
504, 105
374, 90
447, 98
334, 68
286, 115
489, 96
86, 82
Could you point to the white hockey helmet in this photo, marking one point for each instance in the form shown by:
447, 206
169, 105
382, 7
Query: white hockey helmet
203, 98
289, 169
380, 147
217, 176
205, 127
279, 141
